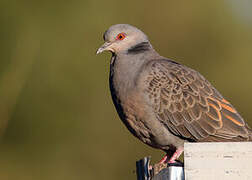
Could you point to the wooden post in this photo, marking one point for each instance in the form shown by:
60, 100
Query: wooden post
213, 161
206, 161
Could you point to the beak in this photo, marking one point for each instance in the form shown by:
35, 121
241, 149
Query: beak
104, 47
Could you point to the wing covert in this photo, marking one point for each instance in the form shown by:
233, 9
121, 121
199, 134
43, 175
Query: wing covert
189, 106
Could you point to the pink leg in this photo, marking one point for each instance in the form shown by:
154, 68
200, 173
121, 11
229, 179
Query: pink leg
176, 155
164, 159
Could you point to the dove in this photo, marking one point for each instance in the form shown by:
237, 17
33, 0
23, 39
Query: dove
162, 102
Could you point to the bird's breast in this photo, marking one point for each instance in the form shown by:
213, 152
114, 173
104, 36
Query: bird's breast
130, 110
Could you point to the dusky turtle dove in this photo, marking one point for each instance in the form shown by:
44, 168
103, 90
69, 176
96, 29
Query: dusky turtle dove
164, 103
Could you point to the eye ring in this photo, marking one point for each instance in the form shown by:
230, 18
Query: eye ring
120, 36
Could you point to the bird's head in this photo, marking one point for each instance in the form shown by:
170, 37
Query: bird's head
124, 38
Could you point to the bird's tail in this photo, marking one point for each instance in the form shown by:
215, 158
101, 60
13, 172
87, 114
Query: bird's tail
250, 137
250, 133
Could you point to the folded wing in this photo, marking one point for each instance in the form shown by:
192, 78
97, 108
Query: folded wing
189, 106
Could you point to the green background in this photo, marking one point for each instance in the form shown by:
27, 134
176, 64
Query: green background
54, 92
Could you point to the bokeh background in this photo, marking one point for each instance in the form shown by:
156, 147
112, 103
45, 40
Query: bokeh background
57, 119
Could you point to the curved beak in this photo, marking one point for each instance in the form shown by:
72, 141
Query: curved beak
104, 47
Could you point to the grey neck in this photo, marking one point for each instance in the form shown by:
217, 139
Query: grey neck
125, 68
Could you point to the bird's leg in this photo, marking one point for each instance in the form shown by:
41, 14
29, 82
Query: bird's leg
171, 155
176, 155
164, 159
168, 155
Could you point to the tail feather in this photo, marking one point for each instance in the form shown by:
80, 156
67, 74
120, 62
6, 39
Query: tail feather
250, 132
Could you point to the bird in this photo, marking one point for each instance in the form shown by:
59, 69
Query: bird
162, 102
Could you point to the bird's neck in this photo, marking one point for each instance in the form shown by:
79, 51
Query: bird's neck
125, 69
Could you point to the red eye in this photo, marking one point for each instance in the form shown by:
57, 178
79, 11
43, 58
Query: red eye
120, 36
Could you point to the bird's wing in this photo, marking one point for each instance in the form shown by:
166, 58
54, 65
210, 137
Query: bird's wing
189, 106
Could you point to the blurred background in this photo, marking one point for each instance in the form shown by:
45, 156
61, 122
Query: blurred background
57, 116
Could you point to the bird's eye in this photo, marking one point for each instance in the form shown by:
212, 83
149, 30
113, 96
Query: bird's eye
120, 36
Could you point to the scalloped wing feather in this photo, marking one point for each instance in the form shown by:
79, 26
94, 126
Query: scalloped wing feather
190, 107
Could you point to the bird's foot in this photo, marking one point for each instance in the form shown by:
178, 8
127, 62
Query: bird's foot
176, 155
171, 161
161, 164
158, 167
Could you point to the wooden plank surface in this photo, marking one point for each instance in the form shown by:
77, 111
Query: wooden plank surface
214, 161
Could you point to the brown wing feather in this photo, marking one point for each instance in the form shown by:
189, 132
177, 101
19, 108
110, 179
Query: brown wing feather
190, 107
